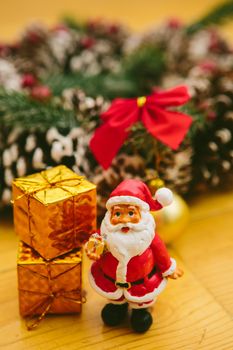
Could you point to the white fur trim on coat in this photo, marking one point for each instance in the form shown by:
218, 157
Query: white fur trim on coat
121, 270
122, 291
141, 305
127, 200
110, 295
171, 268
133, 305
148, 296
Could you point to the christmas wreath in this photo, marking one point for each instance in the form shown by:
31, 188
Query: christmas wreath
56, 83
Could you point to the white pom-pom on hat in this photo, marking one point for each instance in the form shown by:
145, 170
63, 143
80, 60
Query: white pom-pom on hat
164, 196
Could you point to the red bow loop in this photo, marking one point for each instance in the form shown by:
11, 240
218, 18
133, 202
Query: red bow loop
170, 98
167, 126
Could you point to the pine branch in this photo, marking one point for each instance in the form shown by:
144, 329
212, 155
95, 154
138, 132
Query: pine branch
109, 86
197, 116
92, 85
72, 23
17, 109
218, 15
140, 71
144, 68
141, 142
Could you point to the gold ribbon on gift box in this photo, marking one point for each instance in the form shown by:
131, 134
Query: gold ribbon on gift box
40, 185
49, 187
33, 266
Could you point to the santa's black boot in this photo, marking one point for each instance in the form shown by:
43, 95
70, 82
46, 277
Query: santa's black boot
114, 314
141, 320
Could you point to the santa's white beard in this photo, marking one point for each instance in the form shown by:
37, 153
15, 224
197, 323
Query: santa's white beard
124, 246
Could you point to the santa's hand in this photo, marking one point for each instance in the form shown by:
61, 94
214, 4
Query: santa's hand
94, 248
176, 274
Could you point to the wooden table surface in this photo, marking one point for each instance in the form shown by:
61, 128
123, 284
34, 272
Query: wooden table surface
194, 312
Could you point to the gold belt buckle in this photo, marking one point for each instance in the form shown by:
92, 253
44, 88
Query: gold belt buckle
121, 284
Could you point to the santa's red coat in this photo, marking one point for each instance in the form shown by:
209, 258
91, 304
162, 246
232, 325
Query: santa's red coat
138, 267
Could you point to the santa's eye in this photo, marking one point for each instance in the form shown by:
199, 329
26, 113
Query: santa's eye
131, 213
117, 214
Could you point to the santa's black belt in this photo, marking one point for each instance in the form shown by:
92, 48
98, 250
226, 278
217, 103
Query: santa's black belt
128, 285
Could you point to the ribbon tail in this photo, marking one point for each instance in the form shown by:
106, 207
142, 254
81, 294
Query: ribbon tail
110, 136
82, 300
106, 143
32, 324
167, 126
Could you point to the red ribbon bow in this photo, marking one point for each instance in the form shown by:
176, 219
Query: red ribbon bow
167, 126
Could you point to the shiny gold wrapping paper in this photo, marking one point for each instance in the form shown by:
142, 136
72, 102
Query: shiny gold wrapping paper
54, 211
49, 287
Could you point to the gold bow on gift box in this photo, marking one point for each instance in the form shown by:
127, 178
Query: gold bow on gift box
54, 211
48, 287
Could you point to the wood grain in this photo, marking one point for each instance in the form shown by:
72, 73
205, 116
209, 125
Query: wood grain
194, 312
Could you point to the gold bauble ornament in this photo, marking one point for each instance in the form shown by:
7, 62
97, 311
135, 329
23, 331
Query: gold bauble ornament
154, 184
172, 220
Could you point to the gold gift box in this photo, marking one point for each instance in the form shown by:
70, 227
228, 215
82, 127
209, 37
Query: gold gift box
54, 211
48, 287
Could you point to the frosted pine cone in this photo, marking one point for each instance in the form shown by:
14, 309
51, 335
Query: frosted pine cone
96, 59
27, 152
213, 162
88, 109
9, 77
175, 167
34, 54
69, 148
63, 43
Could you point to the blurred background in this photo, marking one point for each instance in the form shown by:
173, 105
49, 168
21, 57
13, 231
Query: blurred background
138, 15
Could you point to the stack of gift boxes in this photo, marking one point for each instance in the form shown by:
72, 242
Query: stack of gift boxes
54, 214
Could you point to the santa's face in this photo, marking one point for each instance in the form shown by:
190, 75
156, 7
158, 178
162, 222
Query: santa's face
128, 230
124, 214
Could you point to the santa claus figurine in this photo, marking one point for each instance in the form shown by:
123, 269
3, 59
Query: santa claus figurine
131, 264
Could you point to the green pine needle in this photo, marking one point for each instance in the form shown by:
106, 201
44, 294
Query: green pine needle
218, 15
72, 23
144, 68
197, 116
17, 109
109, 86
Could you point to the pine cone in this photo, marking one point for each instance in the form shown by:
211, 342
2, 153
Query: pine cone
114, 33
63, 43
213, 161
27, 152
9, 77
87, 108
175, 167
69, 147
13, 163
95, 60
34, 54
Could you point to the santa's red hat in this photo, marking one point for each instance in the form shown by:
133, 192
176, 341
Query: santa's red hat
137, 193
